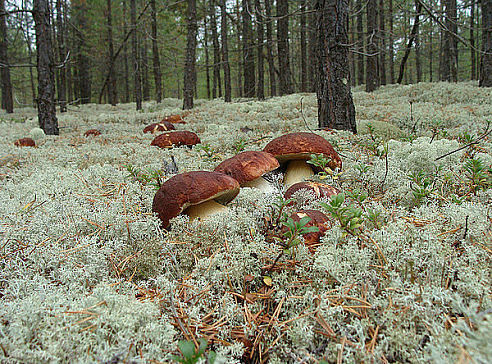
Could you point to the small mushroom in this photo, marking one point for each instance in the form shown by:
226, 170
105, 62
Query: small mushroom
162, 126
175, 119
175, 139
25, 142
317, 189
93, 132
318, 219
248, 168
197, 194
295, 149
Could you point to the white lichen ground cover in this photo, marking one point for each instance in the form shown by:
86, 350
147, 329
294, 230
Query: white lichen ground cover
86, 273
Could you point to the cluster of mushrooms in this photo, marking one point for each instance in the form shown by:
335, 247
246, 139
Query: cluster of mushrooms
200, 194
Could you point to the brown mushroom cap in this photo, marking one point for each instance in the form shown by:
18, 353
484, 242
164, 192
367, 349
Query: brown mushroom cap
175, 139
25, 142
162, 126
176, 119
248, 166
318, 219
192, 188
93, 132
318, 189
300, 146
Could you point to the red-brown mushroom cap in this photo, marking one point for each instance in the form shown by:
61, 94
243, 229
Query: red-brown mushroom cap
93, 132
318, 219
300, 146
25, 142
192, 188
162, 126
318, 189
175, 119
248, 166
175, 139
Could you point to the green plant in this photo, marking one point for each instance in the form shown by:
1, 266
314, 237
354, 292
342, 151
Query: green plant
191, 355
375, 218
422, 185
322, 162
291, 236
239, 144
477, 174
151, 176
208, 151
349, 217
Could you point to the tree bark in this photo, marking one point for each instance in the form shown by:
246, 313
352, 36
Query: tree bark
283, 47
382, 44
472, 41
7, 100
413, 35
225, 52
260, 89
391, 43
207, 59
452, 18
62, 55
303, 47
46, 75
360, 42
248, 51
135, 58
486, 61
112, 91
431, 54
372, 81
418, 63
312, 45
83, 80
189, 70
125, 56
240, 61
155, 54
335, 105
271, 62
217, 83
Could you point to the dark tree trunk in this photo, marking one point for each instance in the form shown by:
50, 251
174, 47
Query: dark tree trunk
271, 62
335, 105
283, 47
46, 75
112, 91
62, 54
144, 65
413, 35
444, 55
418, 63
391, 43
382, 44
125, 56
360, 42
353, 40
7, 100
215, 41
207, 60
225, 52
312, 61
452, 18
189, 70
83, 80
155, 54
431, 54
248, 51
472, 41
486, 61
372, 81
303, 47
135, 58
260, 89
240, 63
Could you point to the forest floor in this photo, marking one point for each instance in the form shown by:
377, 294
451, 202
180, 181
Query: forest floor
403, 273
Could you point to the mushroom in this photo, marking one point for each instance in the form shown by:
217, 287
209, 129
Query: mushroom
318, 219
175, 119
93, 132
175, 139
198, 194
295, 150
248, 168
25, 142
318, 189
162, 126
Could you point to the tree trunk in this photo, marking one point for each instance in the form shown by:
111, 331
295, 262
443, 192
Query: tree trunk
486, 61
472, 41
125, 56
135, 59
240, 63
248, 51
46, 75
207, 60
391, 43
260, 89
372, 48
312, 45
431, 54
382, 44
215, 41
62, 55
418, 63
144, 66
271, 62
225, 52
283, 47
7, 100
335, 105
413, 35
83, 80
444, 54
189, 70
112, 91
155, 54
360, 42
303, 47
452, 17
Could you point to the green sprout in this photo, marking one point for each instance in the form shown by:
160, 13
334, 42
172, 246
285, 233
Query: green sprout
191, 355
349, 217
151, 176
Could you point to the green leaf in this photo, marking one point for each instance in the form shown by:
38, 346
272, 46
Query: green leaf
187, 348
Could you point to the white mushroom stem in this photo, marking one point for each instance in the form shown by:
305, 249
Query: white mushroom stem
204, 209
297, 171
261, 184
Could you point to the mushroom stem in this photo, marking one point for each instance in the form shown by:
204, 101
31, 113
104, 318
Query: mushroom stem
261, 184
297, 171
204, 209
